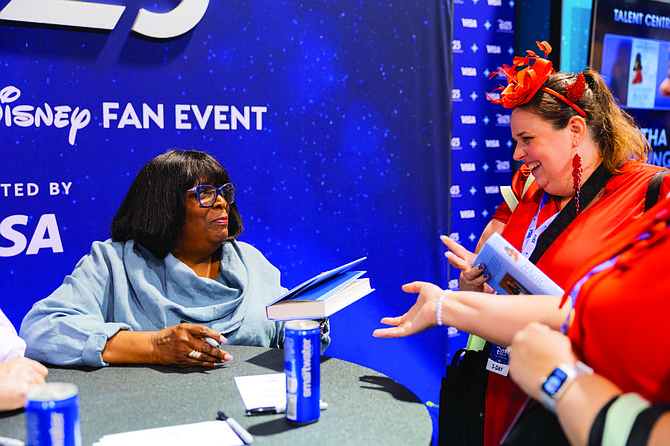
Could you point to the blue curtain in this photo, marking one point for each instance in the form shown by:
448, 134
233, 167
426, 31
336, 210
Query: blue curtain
333, 118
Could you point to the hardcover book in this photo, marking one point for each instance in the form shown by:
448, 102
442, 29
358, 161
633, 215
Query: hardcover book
512, 273
322, 295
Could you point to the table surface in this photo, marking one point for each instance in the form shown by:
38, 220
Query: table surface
364, 406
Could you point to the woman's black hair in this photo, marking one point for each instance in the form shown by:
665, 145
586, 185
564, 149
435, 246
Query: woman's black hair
153, 212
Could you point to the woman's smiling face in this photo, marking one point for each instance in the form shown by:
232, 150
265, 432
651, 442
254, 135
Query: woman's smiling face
547, 151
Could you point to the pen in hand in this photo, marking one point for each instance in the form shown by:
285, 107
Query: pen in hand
239, 430
211, 341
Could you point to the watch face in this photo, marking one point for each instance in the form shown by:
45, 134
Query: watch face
554, 381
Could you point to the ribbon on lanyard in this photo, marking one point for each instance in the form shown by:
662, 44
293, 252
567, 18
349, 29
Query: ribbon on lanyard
498, 361
533, 233
607, 264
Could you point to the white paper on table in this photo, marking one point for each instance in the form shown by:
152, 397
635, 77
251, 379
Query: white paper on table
267, 390
217, 433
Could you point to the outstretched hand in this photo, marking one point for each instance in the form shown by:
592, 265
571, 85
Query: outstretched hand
472, 277
419, 318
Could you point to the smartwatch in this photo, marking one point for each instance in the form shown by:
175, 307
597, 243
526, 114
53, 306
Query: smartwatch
559, 380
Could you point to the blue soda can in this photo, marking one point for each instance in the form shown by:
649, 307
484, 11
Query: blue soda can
52, 415
302, 364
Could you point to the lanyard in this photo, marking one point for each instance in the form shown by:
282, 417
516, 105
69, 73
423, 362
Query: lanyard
607, 264
498, 361
533, 233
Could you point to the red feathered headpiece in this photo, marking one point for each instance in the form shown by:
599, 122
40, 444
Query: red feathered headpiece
523, 84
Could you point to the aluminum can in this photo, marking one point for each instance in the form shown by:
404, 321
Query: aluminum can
302, 364
52, 415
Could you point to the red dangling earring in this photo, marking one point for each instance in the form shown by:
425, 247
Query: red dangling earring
577, 177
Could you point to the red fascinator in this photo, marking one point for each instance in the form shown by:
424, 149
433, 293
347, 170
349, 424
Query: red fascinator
523, 84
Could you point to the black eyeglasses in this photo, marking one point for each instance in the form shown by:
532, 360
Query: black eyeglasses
208, 194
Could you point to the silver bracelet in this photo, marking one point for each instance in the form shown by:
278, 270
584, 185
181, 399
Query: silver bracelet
438, 309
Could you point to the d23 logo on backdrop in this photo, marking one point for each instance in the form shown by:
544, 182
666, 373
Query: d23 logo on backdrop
166, 25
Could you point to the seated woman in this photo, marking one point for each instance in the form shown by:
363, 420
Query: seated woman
173, 257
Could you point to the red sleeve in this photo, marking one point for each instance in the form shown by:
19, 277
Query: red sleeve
665, 188
621, 314
503, 211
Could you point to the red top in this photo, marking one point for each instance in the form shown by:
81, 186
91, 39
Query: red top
621, 203
621, 314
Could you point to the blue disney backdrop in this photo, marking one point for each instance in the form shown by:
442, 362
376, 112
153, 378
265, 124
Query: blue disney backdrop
332, 117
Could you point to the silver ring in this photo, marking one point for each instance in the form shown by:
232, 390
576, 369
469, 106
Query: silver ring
194, 354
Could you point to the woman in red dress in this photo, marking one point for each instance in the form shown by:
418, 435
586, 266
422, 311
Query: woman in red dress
590, 181
607, 380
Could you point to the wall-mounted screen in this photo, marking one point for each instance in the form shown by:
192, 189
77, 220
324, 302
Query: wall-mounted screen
630, 46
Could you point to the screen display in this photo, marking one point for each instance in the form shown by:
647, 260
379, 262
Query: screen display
554, 381
630, 47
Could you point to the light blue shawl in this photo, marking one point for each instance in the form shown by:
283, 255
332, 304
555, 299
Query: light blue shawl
122, 286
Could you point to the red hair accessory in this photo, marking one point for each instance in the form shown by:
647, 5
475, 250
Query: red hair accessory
576, 90
523, 84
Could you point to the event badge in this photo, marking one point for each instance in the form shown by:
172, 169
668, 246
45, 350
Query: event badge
498, 361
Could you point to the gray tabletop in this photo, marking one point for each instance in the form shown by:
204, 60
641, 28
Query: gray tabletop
364, 407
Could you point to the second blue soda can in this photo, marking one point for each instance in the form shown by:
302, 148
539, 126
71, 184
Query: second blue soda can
52, 415
302, 364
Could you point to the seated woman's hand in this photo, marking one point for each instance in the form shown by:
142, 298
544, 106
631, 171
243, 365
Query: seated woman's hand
17, 377
185, 345
419, 318
471, 278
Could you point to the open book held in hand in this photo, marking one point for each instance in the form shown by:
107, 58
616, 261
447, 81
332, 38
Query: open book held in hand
321, 295
512, 273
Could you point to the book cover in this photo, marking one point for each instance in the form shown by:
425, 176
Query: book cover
321, 295
512, 273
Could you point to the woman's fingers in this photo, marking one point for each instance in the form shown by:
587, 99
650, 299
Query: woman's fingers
459, 256
413, 287
395, 332
418, 318
473, 279
213, 354
456, 262
454, 246
395, 321
203, 332
187, 345
473, 273
206, 341
208, 356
